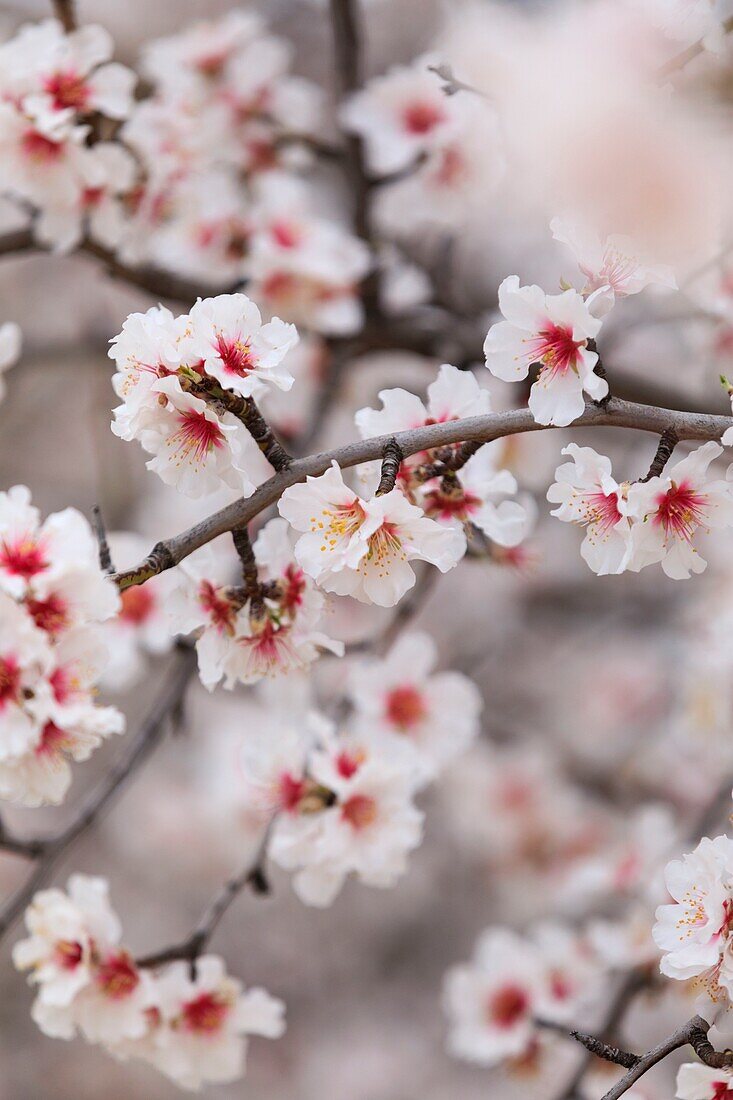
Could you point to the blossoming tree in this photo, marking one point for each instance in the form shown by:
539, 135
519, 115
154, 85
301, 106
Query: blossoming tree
286, 249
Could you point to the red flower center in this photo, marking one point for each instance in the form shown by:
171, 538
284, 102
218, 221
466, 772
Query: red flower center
219, 609
138, 604
205, 1014
422, 116
453, 505
722, 1090
67, 89
287, 234
40, 148
117, 976
24, 557
360, 811
291, 791
197, 436
9, 681
680, 511
53, 740
236, 356
405, 707
348, 763
51, 615
555, 347
68, 954
507, 1006
602, 511
295, 584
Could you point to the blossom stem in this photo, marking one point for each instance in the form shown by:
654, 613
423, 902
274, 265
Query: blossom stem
391, 460
250, 576
65, 12
105, 557
246, 410
667, 443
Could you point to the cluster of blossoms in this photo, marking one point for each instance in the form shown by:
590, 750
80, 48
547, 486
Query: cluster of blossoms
493, 1003
190, 1024
343, 801
244, 636
476, 494
173, 376
557, 331
53, 594
52, 87
630, 526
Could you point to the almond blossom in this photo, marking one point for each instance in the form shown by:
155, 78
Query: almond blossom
587, 494
399, 116
364, 823
200, 1023
363, 548
401, 702
694, 931
239, 643
669, 513
553, 331
614, 263
698, 1082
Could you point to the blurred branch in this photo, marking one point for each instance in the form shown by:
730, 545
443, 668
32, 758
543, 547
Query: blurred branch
65, 12
49, 851
687, 55
481, 429
451, 85
253, 874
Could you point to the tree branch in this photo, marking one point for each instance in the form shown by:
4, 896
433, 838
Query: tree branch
480, 429
48, 852
64, 10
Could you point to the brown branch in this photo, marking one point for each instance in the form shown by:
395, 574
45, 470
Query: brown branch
49, 851
253, 874
246, 410
689, 54
451, 85
593, 1044
105, 557
65, 12
479, 429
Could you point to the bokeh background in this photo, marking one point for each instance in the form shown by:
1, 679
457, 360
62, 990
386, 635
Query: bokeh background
605, 700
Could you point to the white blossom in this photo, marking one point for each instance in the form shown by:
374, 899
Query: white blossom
698, 1082
614, 262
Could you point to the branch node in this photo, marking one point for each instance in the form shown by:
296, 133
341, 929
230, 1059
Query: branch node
667, 443
391, 460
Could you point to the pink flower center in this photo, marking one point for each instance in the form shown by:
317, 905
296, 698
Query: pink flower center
205, 1014
91, 197
197, 437
721, 1090
286, 234
405, 707
360, 811
24, 557
67, 954
422, 116
680, 511
616, 271
295, 584
39, 148
560, 986
348, 764
51, 615
236, 356
452, 168
9, 681
555, 348
218, 608
453, 505
602, 510
290, 792
67, 89
138, 604
507, 1006
384, 546
117, 976
62, 684
53, 740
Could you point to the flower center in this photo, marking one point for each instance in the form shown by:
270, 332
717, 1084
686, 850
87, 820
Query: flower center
454, 505
138, 604
196, 437
295, 585
67, 89
51, 615
555, 348
421, 117
337, 524
39, 148
601, 510
360, 811
218, 608
236, 356
23, 558
680, 511
290, 792
205, 1014
384, 547
507, 1006
9, 681
286, 234
53, 740
67, 954
117, 976
348, 763
721, 1090
405, 707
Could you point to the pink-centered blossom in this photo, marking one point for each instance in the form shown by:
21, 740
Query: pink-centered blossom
553, 331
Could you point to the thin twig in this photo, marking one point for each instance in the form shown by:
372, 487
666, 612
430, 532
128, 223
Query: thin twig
451, 84
105, 557
65, 12
479, 429
667, 443
689, 54
148, 736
